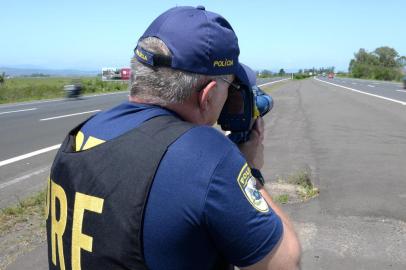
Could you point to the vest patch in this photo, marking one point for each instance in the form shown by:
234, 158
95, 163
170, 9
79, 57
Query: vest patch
247, 184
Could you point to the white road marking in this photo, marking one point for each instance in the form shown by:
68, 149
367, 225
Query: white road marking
371, 85
25, 110
28, 155
273, 82
107, 94
401, 91
24, 177
55, 100
365, 93
68, 115
29, 103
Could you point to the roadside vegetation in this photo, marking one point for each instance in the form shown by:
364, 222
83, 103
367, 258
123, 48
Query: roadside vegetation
307, 73
29, 88
22, 228
384, 63
265, 73
305, 188
2, 78
22, 211
301, 76
295, 188
282, 198
272, 87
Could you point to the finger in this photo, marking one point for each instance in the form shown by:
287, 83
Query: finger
260, 127
259, 124
255, 137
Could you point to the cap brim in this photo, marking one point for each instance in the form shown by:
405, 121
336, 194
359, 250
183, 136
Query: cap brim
246, 75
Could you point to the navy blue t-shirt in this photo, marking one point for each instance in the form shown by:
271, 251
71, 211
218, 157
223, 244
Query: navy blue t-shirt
203, 201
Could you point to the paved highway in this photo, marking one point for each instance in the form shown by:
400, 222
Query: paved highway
30, 134
354, 147
393, 92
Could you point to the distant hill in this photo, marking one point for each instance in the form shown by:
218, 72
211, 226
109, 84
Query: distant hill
51, 72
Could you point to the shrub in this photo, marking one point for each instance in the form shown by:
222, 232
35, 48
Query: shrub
300, 76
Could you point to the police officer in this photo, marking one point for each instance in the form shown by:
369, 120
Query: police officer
149, 184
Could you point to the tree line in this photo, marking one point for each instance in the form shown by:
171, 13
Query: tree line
2, 78
265, 73
384, 63
321, 70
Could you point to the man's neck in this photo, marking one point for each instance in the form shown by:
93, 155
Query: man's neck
187, 110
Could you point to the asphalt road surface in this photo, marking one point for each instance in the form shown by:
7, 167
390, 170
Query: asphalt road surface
36, 129
30, 134
354, 146
385, 90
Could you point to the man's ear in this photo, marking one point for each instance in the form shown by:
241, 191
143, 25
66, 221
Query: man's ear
206, 94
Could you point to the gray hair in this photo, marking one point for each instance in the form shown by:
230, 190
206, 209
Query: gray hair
163, 85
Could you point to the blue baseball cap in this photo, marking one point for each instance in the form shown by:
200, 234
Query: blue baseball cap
200, 41
250, 79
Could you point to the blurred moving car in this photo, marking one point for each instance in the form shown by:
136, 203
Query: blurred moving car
331, 75
73, 90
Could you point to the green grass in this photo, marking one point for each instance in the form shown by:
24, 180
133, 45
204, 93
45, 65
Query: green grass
283, 198
306, 189
298, 188
272, 87
22, 211
298, 76
26, 89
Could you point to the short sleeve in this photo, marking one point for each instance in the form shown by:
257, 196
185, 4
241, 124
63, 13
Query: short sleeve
242, 225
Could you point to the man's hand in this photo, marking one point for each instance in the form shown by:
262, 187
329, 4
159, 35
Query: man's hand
253, 149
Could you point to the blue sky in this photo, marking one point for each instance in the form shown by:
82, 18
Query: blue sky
90, 34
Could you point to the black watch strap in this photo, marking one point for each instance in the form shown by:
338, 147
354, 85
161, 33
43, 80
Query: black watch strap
258, 175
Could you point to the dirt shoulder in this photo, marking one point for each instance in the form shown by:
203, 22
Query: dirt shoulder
22, 228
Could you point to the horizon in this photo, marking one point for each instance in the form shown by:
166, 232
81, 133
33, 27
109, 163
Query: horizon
88, 36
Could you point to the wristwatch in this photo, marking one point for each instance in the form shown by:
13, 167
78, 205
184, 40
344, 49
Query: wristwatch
258, 175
